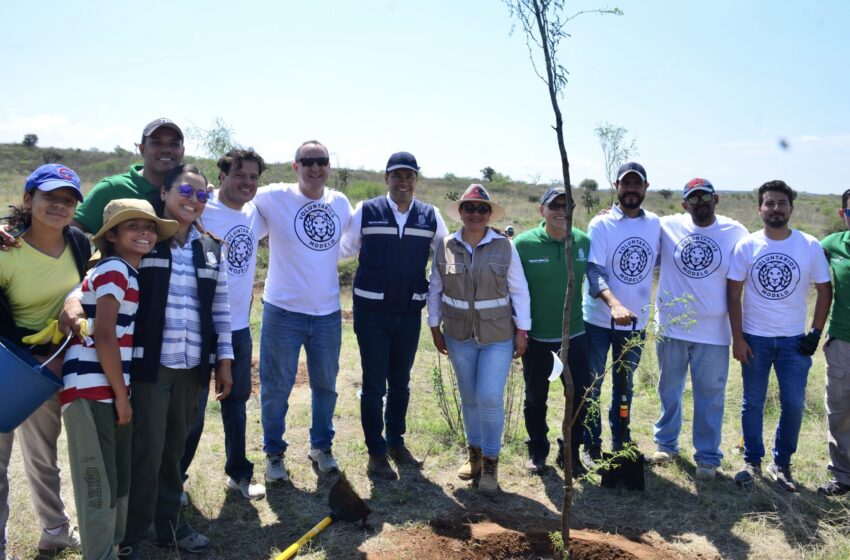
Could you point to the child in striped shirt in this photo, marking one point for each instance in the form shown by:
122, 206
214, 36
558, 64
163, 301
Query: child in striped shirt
96, 375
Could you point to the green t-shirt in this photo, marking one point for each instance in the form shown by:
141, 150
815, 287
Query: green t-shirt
126, 185
837, 247
546, 271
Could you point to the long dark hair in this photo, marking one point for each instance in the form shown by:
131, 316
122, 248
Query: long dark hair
171, 179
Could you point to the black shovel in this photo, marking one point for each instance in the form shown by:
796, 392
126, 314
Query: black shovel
345, 505
625, 466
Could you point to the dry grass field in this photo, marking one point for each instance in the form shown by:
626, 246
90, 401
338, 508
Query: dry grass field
432, 514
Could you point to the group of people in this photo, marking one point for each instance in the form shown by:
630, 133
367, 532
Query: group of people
165, 312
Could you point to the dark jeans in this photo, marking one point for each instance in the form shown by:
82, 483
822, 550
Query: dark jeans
599, 340
162, 411
233, 415
536, 367
388, 343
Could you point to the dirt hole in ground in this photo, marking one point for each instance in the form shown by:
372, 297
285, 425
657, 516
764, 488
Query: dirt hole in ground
461, 539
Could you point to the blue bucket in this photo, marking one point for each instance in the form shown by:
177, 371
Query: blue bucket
24, 385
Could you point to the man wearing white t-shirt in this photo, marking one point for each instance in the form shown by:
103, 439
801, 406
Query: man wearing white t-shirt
696, 248
623, 250
777, 265
301, 304
232, 216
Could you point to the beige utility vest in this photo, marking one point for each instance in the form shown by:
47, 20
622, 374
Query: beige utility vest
475, 301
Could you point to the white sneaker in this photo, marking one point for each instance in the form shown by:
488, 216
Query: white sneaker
249, 491
67, 538
324, 460
275, 472
660, 458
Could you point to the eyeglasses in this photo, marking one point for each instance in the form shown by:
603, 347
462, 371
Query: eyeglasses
186, 191
309, 161
557, 206
481, 209
704, 197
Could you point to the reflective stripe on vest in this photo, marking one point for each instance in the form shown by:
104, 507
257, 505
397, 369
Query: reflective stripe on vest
379, 230
483, 304
152, 262
367, 294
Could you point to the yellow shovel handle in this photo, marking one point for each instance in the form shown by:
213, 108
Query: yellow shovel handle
293, 548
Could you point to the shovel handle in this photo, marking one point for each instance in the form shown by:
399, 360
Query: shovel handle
292, 549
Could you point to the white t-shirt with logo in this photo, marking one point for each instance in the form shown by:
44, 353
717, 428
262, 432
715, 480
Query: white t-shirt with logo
694, 262
627, 248
304, 236
776, 276
241, 231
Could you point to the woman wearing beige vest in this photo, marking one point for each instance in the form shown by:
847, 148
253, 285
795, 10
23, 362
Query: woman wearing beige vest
479, 294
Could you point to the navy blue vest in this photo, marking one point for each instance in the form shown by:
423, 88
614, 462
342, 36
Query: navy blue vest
154, 275
391, 273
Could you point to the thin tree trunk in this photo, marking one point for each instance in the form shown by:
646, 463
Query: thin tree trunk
569, 387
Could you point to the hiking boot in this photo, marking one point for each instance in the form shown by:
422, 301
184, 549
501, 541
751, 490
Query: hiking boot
379, 467
833, 488
747, 475
782, 475
401, 455
249, 491
66, 538
488, 485
590, 456
324, 460
534, 465
471, 469
275, 471
661, 458
706, 471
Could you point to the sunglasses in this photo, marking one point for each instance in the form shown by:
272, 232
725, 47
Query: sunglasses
309, 161
481, 209
186, 191
846, 212
704, 197
557, 206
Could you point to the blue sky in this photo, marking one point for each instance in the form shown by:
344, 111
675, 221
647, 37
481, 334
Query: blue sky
706, 88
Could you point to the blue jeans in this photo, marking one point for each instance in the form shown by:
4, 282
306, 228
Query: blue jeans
388, 343
709, 365
233, 414
792, 372
599, 340
482, 371
282, 335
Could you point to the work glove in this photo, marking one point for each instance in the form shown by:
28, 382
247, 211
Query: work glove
809, 343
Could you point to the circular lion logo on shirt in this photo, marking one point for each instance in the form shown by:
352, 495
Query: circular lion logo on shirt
317, 226
632, 260
775, 276
240, 248
697, 256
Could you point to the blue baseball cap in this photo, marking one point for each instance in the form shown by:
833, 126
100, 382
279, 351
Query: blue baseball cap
54, 176
697, 184
402, 160
631, 167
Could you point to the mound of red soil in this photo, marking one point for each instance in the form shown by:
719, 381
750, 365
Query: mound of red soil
459, 539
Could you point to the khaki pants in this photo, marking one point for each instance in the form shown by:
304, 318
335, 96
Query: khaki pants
38, 436
99, 452
837, 354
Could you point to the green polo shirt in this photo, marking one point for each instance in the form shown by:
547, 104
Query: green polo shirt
126, 185
546, 271
837, 247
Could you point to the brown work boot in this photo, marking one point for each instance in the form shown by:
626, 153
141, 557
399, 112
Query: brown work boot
379, 467
489, 483
401, 455
471, 470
